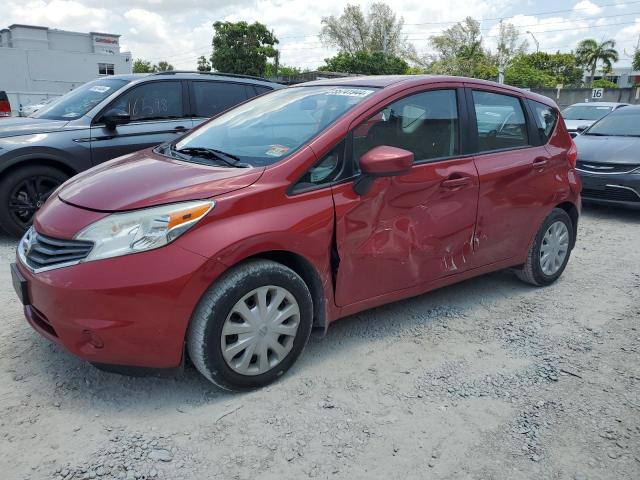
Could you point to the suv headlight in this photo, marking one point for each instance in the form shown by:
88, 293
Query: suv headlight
141, 230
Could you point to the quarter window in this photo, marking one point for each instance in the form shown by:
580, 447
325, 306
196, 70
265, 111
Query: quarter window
212, 98
326, 171
546, 120
425, 124
106, 69
500, 121
152, 101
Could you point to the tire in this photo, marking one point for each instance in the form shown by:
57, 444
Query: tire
14, 193
533, 271
207, 335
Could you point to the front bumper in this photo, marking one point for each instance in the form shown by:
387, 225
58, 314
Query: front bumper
131, 310
611, 189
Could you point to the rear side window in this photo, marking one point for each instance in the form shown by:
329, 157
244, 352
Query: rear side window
212, 98
546, 120
500, 121
425, 124
152, 101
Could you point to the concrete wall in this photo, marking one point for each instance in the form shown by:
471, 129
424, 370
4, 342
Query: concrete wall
566, 97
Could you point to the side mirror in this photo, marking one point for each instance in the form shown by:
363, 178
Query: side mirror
114, 117
582, 128
382, 161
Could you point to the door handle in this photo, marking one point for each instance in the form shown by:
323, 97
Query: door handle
540, 163
179, 129
456, 182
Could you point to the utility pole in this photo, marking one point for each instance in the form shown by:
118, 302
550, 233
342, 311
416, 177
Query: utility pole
277, 63
535, 40
384, 40
502, 51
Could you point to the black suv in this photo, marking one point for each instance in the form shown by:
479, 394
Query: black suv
101, 120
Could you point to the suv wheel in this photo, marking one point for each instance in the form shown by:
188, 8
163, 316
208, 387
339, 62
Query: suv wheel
549, 253
23, 192
251, 325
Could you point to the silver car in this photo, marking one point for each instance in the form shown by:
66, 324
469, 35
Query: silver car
580, 116
101, 120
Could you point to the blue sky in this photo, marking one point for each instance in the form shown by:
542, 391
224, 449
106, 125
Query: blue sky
180, 30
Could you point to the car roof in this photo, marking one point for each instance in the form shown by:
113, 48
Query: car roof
597, 104
385, 81
188, 75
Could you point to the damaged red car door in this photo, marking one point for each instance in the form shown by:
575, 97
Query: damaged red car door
415, 227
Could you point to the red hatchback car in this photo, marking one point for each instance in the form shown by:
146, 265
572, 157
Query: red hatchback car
292, 210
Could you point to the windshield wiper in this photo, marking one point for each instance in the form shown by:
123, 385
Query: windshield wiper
213, 154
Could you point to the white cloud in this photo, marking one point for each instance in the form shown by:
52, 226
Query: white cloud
587, 7
179, 31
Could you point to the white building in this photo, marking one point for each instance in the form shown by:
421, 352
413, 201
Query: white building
39, 62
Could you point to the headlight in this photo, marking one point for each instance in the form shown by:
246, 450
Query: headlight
141, 230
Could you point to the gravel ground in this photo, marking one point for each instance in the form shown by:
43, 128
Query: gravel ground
487, 379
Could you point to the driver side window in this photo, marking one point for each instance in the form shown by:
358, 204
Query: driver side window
425, 124
152, 101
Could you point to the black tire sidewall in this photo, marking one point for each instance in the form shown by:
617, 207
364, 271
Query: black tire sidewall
539, 275
215, 363
8, 183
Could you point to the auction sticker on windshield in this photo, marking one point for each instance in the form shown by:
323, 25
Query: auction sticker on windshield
350, 92
99, 89
277, 150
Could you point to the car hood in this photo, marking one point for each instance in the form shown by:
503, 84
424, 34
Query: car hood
145, 179
27, 126
572, 125
621, 150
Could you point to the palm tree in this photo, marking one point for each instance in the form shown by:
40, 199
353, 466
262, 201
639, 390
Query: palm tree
590, 52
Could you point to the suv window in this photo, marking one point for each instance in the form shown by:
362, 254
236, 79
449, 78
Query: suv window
425, 124
211, 98
152, 101
500, 121
546, 120
260, 89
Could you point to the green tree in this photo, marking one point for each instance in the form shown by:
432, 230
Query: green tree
242, 48
509, 45
459, 51
542, 69
163, 66
367, 63
379, 30
590, 53
203, 64
142, 66
603, 83
636, 60
283, 70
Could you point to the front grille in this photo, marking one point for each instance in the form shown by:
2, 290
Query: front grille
41, 251
611, 193
598, 167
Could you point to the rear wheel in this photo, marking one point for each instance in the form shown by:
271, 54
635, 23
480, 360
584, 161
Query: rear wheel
549, 253
251, 325
23, 192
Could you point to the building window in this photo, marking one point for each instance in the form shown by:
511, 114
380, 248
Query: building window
106, 69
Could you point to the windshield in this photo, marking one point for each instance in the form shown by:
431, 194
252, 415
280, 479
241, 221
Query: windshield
624, 122
273, 126
585, 112
78, 102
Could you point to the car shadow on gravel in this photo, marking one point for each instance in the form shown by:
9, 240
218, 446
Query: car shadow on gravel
87, 387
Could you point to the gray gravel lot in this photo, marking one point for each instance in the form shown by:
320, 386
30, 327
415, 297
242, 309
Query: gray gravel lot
487, 379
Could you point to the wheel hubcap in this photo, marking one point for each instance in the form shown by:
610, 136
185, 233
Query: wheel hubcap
260, 330
555, 246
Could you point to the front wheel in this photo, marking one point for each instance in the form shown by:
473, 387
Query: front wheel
23, 192
549, 253
251, 325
